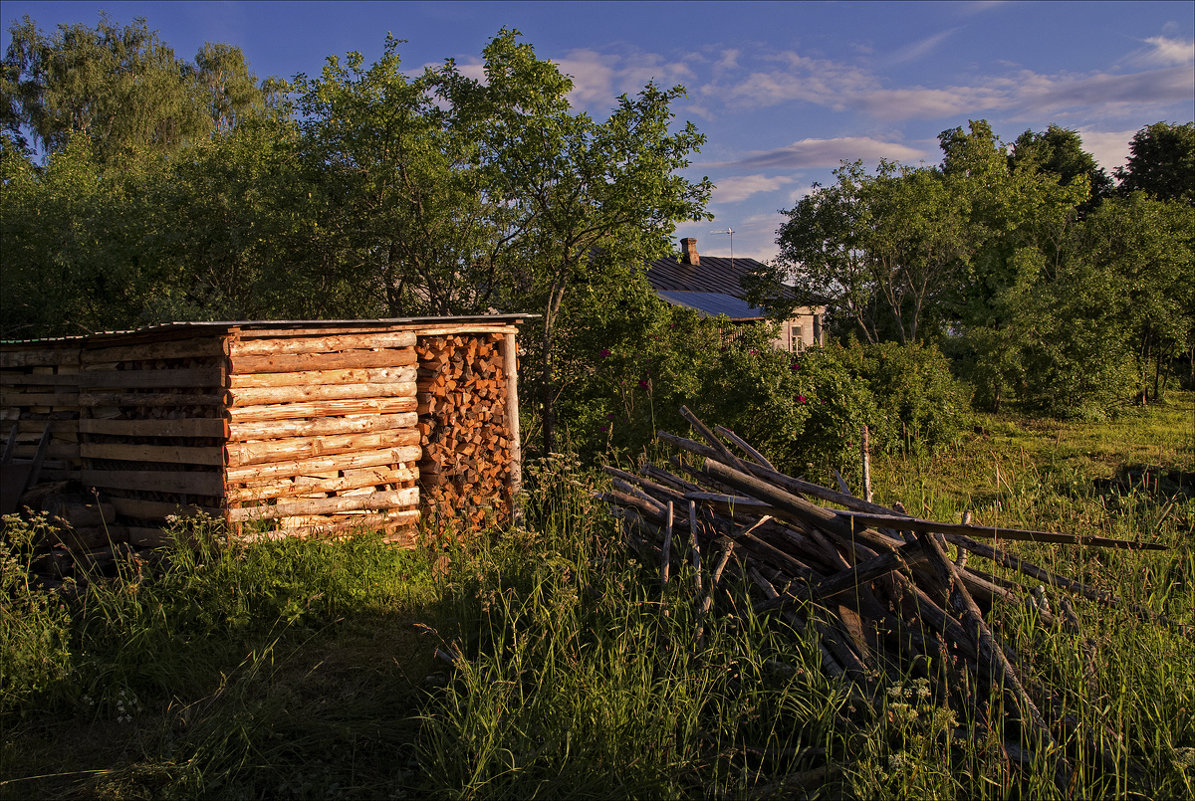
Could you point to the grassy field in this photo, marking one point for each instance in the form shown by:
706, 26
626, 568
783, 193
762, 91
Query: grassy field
303, 670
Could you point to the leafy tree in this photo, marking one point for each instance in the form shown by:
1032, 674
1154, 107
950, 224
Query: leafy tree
583, 197
406, 204
1147, 248
1161, 162
123, 87
1060, 151
887, 248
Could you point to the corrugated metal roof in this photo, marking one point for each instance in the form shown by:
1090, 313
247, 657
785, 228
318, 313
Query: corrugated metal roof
713, 274
711, 304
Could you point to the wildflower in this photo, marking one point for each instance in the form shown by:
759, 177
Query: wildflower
795, 366
800, 399
604, 429
643, 383
605, 352
753, 352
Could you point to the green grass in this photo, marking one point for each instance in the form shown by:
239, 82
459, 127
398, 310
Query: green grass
307, 669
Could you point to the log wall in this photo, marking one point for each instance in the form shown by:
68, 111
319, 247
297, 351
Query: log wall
39, 385
321, 431
308, 428
152, 429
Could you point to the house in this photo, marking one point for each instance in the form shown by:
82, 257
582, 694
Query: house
712, 285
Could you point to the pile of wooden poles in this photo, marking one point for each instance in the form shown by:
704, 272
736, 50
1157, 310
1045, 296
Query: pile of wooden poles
877, 587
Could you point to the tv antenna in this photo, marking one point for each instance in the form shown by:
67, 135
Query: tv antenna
728, 232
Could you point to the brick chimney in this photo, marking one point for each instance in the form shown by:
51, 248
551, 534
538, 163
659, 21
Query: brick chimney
688, 252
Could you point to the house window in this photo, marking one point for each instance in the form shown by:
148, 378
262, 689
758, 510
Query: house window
796, 341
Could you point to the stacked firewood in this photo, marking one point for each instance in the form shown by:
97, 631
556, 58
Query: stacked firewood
321, 432
464, 427
877, 588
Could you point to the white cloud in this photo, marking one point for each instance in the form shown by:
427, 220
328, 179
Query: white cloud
820, 153
1164, 51
919, 102
740, 187
1110, 148
598, 78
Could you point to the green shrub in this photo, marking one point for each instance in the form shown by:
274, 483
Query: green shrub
35, 650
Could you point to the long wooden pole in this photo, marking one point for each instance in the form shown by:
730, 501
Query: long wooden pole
510, 354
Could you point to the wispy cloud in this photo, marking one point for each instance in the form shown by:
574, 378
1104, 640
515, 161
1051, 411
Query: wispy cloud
1164, 51
600, 77
820, 153
921, 48
740, 187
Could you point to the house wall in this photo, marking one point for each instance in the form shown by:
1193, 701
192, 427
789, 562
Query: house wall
802, 330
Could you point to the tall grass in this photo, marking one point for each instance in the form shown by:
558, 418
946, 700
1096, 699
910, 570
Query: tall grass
305, 669
219, 671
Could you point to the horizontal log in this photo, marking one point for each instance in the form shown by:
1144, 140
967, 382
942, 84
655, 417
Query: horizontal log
323, 464
191, 348
279, 450
478, 330
321, 426
171, 454
351, 480
159, 510
153, 378
175, 399
184, 482
360, 375
329, 408
39, 356
385, 499
186, 427
260, 346
11, 397
341, 524
261, 396
299, 362
992, 533
20, 380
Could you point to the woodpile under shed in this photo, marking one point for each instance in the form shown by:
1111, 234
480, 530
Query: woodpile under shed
277, 428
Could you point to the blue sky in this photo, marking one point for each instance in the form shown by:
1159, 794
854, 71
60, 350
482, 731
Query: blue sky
783, 91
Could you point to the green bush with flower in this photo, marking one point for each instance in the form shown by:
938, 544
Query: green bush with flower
636, 361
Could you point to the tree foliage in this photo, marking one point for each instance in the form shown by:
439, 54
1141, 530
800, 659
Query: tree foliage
1161, 162
122, 87
1048, 291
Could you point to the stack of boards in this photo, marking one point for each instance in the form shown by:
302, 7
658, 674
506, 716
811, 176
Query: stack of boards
281, 429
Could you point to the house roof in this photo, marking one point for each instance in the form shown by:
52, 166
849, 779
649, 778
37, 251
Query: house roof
718, 274
711, 304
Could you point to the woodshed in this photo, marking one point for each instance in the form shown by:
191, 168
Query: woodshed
308, 427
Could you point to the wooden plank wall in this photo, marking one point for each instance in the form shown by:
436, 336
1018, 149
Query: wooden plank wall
39, 384
321, 432
465, 429
152, 429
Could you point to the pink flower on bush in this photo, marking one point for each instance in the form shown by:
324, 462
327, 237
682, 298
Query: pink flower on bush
605, 352
642, 383
795, 366
605, 429
800, 399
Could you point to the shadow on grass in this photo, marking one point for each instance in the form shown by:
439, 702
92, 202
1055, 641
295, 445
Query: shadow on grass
292, 670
